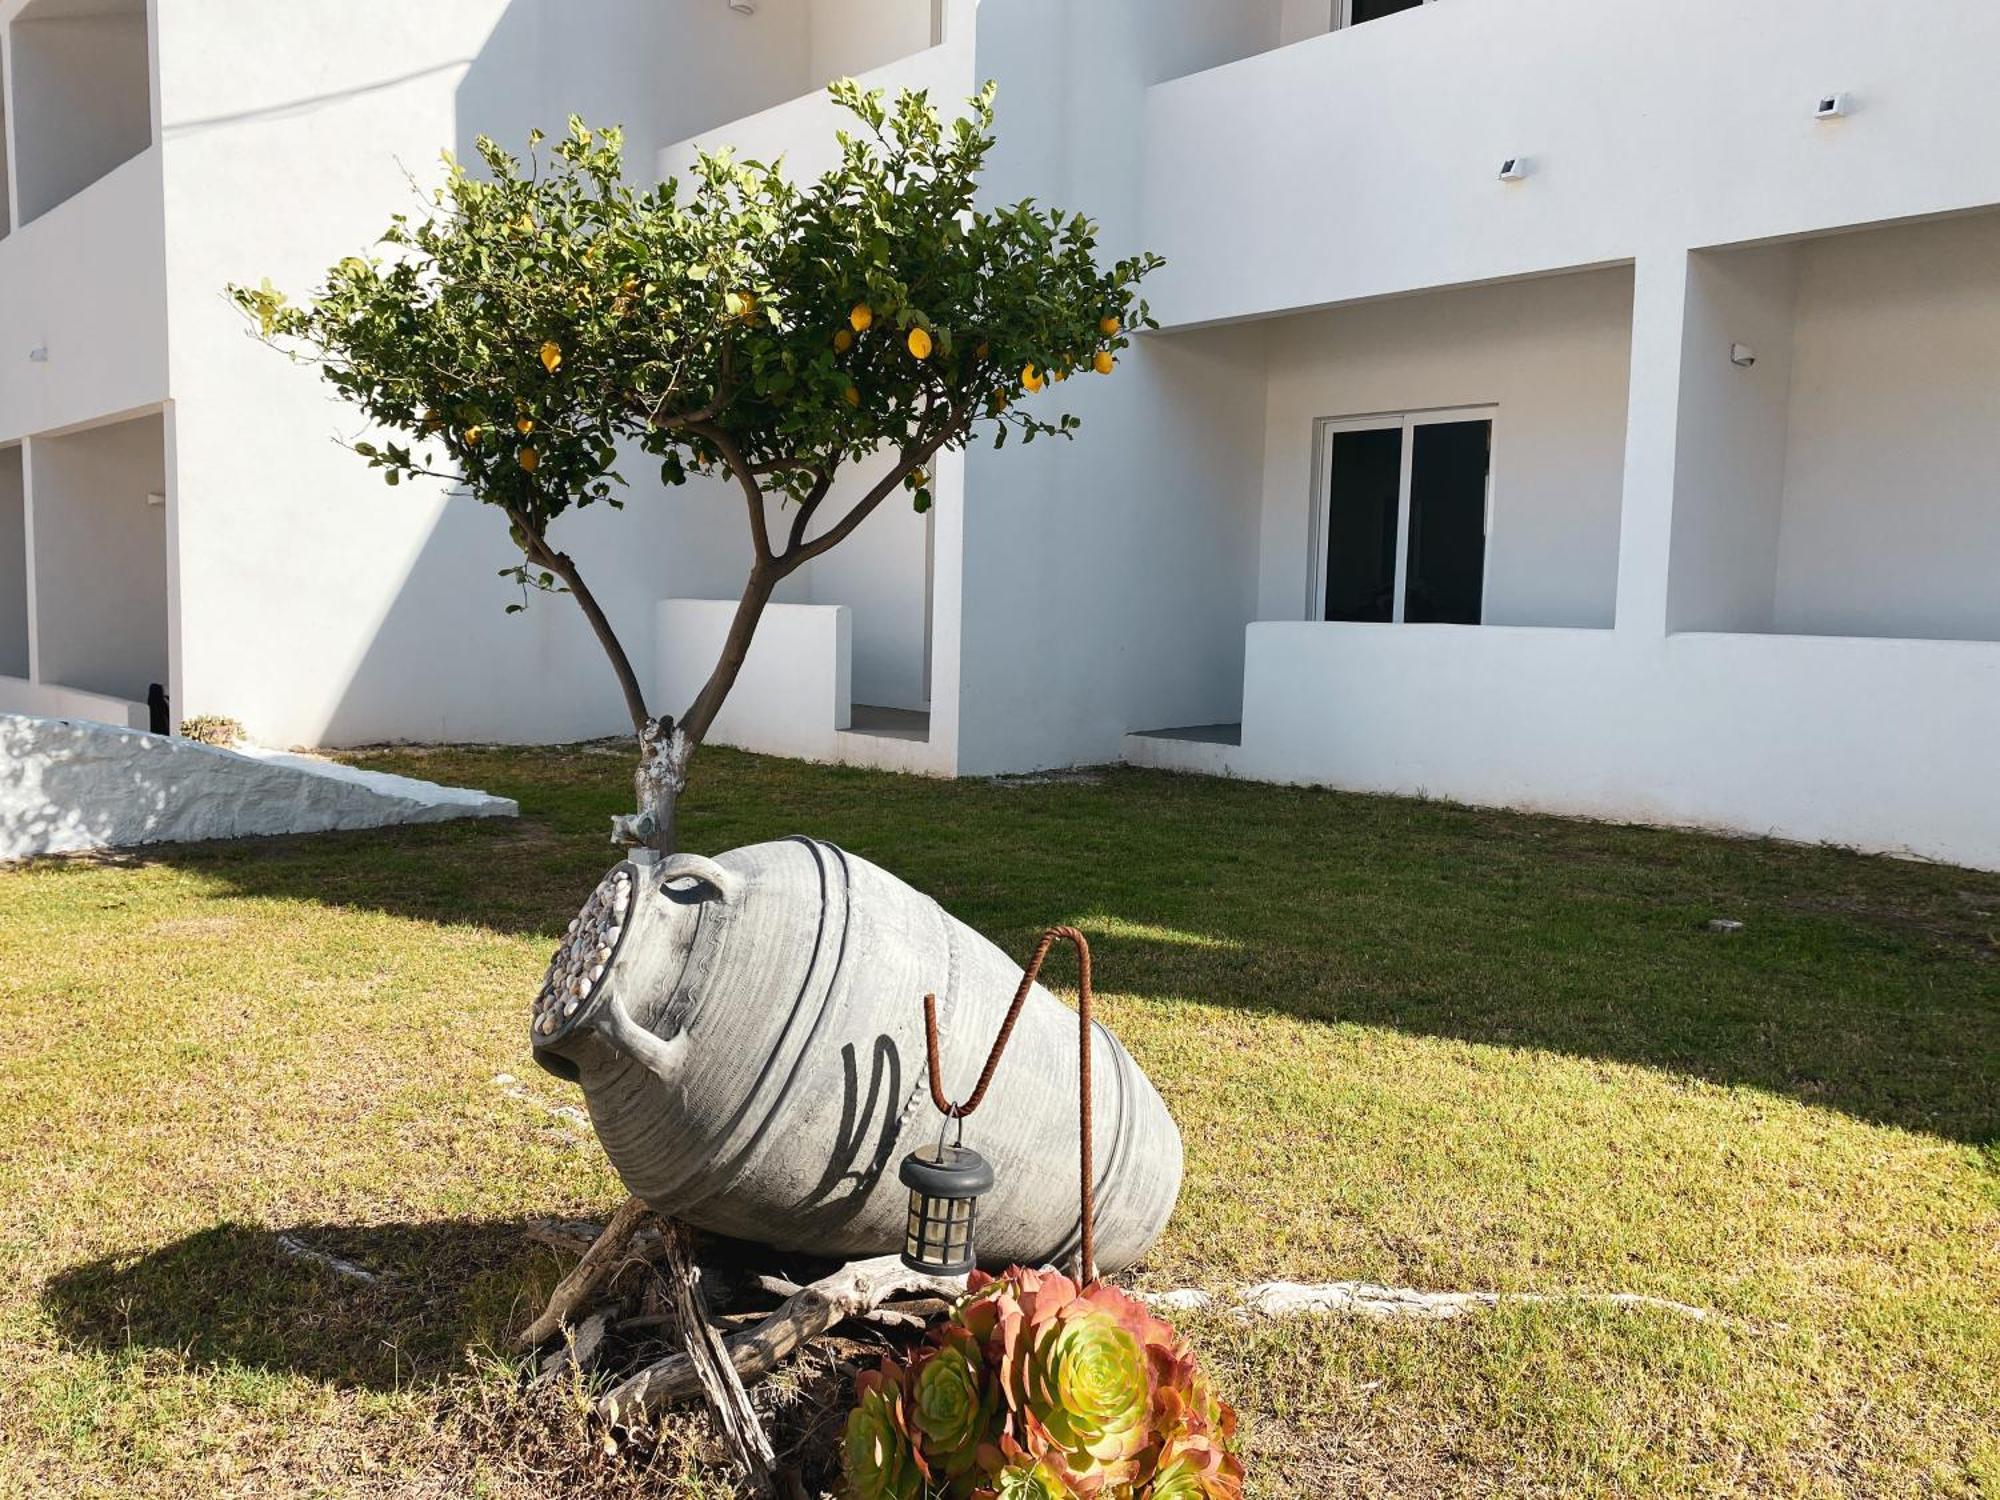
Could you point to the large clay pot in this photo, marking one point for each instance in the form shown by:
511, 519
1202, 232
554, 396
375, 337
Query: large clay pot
748, 1032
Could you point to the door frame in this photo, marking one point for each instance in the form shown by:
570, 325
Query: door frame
1407, 422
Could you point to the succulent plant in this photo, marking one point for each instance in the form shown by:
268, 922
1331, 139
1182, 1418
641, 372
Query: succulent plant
1037, 1389
954, 1405
1022, 1476
881, 1457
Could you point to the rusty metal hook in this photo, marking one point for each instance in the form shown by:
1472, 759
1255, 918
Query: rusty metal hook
1087, 1248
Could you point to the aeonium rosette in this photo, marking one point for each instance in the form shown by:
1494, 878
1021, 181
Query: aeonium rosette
1037, 1389
881, 1459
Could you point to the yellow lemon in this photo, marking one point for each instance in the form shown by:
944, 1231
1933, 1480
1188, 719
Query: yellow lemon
472, 434
1031, 378
530, 460
1103, 362
920, 343
1108, 326
551, 356
842, 341
852, 396
525, 426
861, 317
525, 224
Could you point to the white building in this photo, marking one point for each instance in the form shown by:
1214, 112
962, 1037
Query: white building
1655, 477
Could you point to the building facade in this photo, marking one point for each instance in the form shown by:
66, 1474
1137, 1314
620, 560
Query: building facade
1584, 406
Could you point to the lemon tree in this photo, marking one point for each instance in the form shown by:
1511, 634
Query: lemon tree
543, 314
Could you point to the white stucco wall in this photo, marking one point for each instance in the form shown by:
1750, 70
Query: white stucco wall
889, 575
80, 95
86, 284
13, 566
67, 786
849, 37
1729, 465
100, 557
378, 611
1107, 579
793, 693
1549, 356
1366, 161
1892, 472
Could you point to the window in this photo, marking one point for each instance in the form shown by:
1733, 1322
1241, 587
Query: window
1354, 12
1399, 527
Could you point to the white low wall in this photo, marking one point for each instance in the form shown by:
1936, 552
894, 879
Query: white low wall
792, 696
1883, 745
67, 786
19, 696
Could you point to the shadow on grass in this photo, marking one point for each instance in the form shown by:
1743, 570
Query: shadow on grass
236, 1295
1865, 985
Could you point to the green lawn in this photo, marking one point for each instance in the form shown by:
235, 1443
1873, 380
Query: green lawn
1406, 1042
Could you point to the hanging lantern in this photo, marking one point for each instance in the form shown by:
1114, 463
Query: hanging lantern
945, 1183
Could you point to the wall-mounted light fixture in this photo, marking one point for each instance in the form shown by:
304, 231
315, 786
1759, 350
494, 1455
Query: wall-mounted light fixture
744, 7
39, 355
1514, 168
1742, 356
1832, 107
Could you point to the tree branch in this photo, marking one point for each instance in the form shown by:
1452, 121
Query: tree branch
735, 648
753, 493
833, 536
537, 550
807, 506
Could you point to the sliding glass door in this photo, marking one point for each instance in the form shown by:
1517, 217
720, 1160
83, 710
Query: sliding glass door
1400, 518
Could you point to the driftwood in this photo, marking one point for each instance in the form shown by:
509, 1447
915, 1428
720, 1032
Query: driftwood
1292, 1299
717, 1377
599, 1261
719, 1357
857, 1288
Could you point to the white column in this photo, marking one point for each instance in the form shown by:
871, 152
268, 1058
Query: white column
1652, 432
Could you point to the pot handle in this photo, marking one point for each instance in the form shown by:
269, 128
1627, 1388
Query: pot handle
727, 885
662, 1059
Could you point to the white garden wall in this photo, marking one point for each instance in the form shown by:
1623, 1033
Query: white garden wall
1885, 745
792, 694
